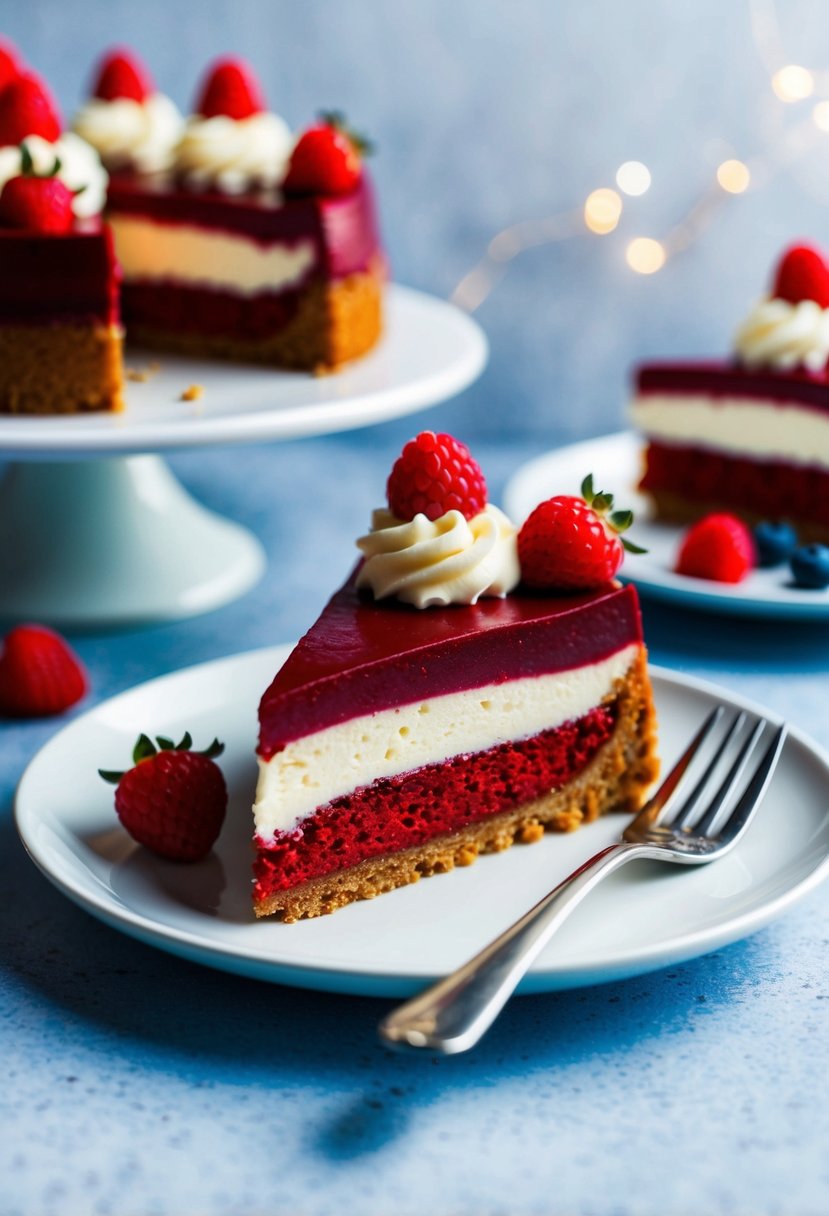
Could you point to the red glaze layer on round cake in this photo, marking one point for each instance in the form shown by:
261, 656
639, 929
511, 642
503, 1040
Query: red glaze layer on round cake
405, 810
181, 309
730, 379
54, 278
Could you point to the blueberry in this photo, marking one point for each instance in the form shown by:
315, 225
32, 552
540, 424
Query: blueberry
776, 541
810, 566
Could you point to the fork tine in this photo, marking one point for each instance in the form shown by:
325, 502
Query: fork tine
690, 804
740, 817
706, 822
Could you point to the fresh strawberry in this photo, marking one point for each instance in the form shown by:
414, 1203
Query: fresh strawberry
435, 474
27, 108
173, 801
802, 275
36, 202
718, 547
10, 65
230, 89
571, 543
327, 159
122, 74
40, 675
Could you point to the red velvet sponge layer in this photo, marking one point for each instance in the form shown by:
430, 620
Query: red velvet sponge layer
769, 488
195, 310
403, 811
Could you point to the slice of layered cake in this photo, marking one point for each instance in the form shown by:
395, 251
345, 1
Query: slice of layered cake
748, 434
236, 240
60, 334
441, 707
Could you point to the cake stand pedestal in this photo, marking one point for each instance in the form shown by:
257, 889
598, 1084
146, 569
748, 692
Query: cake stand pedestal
96, 531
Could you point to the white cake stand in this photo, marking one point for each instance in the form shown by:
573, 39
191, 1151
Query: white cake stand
96, 532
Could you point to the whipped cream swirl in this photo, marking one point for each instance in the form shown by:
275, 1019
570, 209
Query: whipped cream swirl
80, 169
449, 561
781, 335
131, 134
234, 155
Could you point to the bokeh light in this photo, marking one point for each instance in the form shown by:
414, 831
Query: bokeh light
820, 114
633, 177
602, 210
793, 83
734, 176
645, 255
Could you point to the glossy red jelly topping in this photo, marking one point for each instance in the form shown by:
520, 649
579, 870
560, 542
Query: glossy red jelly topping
403, 811
771, 489
363, 656
727, 379
59, 277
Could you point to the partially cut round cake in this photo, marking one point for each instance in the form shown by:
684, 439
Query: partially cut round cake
399, 741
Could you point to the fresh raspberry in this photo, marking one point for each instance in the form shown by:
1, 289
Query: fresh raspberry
37, 204
435, 474
230, 89
27, 108
40, 675
802, 274
718, 547
570, 543
122, 74
174, 800
10, 65
327, 159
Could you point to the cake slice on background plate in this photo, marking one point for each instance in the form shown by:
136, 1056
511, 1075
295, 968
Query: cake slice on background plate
443, 706
748, 434
60, 332
238, 241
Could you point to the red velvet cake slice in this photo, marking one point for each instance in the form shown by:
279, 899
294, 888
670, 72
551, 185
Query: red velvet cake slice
244, 247
60, 335
399, 741
751, 435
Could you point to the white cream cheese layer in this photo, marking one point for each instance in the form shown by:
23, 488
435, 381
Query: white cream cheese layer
198, 257
312, 771
736, 426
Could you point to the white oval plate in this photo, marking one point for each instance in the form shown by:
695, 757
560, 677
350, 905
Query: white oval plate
430, 350
615, 461
646, 916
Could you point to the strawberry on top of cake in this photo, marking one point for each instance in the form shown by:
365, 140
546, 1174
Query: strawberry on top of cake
468, 687
748, 434
133, 127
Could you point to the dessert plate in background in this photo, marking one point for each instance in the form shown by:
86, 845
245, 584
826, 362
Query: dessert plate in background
615, 462
638, 920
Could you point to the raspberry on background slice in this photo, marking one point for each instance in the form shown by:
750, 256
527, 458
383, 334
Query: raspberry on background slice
802, 274
173, 800
327, 159
40, 674
718, 547
121, 74
569, 543
28, 108
230, 89
435, 473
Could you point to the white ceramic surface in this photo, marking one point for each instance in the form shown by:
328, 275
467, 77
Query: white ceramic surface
642, 918
430, 351
615, 461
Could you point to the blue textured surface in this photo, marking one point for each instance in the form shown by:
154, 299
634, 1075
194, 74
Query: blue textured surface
138, 1083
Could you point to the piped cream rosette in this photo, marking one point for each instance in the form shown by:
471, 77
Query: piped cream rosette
781, 335
450, 560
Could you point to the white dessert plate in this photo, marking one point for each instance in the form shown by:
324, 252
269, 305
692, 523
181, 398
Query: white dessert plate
430, 350
615, 461
642, 918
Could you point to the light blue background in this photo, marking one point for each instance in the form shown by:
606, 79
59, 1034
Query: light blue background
489, 113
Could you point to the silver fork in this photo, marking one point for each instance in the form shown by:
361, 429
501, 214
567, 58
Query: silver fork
452, 1014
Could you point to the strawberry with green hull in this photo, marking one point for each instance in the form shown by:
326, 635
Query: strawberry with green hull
173, 800
440, 708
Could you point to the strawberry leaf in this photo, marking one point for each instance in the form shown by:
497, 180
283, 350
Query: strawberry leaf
110, 775
215, 749
165, 744
186, 742
602, 502
620, 521
630, 547
143, 749
587, 492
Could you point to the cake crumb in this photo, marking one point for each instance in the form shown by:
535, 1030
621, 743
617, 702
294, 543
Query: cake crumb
140, 375
193, 392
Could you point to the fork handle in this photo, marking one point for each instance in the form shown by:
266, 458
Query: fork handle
452, 1014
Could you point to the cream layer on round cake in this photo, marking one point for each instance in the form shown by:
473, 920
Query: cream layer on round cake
312, 771
201, 257
738, 426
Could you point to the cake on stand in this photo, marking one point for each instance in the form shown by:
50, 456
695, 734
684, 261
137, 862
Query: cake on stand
97, 532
